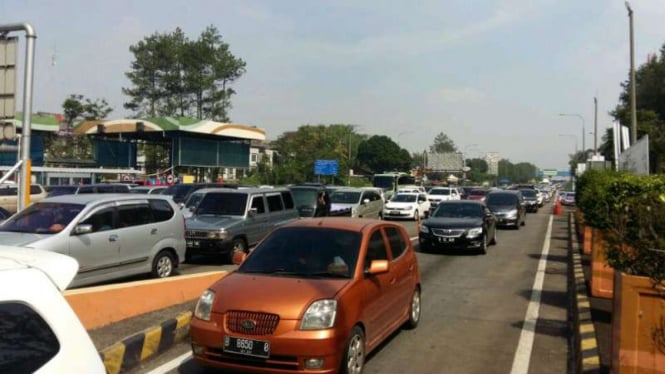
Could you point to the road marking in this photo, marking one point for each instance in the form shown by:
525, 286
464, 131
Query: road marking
173, 364
525, 344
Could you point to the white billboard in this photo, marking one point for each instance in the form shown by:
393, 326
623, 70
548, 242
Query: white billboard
636, 158
452, 161
8, 62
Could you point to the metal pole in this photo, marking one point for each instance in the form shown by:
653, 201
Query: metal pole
30, 36
633, 100
595, 126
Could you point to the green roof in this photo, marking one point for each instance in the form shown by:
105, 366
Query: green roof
39, 119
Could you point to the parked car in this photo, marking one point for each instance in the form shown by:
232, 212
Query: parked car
110, 235
364, 202
508, 206
439, 194
39, 331
88, 189
317, 295
229, 221
9, 195
530, 199
458, 225
150, 190
568, 198
407, 205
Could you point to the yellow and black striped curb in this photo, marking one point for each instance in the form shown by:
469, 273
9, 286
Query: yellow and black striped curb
128, 353
588, 359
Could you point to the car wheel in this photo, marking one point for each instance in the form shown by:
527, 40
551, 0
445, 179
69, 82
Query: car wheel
239, 245
414, 310
354, 354
493, 241
162, 265
483, 246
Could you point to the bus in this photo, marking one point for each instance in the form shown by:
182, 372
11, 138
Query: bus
391, 182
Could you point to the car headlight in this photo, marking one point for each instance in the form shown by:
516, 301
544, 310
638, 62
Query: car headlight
320, 315
476, 231
222, 234
204, 305
512, 213
424, 229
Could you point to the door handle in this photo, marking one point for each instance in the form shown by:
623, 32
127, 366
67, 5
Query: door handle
153, 231
113, 238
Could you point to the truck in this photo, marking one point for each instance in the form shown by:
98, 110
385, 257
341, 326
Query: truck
392, 181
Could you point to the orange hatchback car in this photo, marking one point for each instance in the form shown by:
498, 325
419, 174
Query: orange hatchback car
316, 295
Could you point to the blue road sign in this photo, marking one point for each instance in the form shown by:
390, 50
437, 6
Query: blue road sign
326, 167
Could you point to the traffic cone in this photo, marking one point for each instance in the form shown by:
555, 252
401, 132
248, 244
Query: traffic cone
557, 207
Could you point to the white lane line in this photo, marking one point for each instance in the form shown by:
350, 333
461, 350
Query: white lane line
525, 344
173, 364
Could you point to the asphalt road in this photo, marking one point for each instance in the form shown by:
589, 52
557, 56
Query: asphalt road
473, 310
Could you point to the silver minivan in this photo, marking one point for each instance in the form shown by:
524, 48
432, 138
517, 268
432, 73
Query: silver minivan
363, 202
110, 235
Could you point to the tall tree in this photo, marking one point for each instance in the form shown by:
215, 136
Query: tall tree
442, 144
650, 91
380, 153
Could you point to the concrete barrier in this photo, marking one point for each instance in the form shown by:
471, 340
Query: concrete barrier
103, 305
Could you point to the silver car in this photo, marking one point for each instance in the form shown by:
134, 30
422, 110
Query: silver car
111, 235
363, 202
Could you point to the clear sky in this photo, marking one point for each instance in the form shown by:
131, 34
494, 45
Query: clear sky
492, 75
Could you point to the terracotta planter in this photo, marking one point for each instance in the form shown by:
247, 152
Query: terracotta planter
588, 240
579, 219
602, 275
638, 326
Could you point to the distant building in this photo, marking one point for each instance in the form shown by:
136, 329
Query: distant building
492, 159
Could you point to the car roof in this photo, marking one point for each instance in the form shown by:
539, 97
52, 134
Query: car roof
59, 268
88, 198
341, 223
245, 190
461, 202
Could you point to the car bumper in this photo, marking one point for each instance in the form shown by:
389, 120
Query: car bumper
289, 348
387, 213
208, 247
440, 242
504, 221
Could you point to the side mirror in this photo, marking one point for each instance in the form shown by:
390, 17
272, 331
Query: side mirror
252, 212
365, 201
378, 267
83, 229
181, 205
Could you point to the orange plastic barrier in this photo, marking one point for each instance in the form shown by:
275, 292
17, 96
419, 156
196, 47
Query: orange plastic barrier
103, 305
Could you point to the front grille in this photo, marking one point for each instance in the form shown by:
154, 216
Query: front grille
264, 323
448, 232
196, 234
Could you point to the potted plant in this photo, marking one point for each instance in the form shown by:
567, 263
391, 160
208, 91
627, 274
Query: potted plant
635, 249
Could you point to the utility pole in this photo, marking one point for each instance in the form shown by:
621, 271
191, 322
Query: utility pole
633, 100
595, 126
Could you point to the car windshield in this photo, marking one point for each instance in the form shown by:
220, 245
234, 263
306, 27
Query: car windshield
345, 197
193, 200
529, 193
439, 191
222, 204
42, 218
405, 198
304, 196
306, 252
501, 199
458, 211
61, 190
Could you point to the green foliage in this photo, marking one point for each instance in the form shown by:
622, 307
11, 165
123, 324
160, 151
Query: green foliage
592, 199
442, 144
522, 172
77, 107
380, 153
172, 75
650, 109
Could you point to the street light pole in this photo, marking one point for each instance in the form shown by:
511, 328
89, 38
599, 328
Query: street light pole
633, 100
583, 131
595, 126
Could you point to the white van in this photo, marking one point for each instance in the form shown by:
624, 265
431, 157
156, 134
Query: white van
9, 195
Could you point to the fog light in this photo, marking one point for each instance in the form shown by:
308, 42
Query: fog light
197, 349
314, 363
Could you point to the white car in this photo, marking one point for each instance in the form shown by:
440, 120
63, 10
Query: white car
407, 205
39, 331
439, 194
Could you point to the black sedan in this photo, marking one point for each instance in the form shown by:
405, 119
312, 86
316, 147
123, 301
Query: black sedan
462, 224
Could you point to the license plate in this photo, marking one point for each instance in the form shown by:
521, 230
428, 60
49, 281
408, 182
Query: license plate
446, 240
394, 212
193, 243
247, 347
